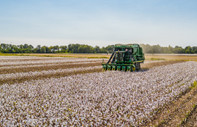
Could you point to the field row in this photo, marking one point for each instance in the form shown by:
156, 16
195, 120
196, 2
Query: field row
42, 67
179, 112
32, 75
97, 99
32, 62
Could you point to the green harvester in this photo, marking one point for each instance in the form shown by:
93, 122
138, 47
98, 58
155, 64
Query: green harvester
125, 58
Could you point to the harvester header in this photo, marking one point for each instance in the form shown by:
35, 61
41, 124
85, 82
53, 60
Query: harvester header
125, 57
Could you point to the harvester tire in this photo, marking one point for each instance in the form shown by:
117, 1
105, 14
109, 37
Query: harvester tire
137, 65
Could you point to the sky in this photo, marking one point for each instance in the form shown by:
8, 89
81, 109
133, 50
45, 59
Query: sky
99, 22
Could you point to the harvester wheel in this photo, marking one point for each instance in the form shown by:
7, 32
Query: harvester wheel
137, 65
133, 69
123, 68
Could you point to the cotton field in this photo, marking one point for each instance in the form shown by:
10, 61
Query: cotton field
99, 98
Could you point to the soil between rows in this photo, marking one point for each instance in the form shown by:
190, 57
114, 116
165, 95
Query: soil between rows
175, 113
192, 120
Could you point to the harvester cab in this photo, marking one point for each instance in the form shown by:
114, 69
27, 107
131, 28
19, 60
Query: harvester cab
125, 58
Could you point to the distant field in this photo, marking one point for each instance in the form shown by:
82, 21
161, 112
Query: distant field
172, 57
62, 55
169, 57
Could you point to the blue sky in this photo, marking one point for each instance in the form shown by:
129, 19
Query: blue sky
99, 22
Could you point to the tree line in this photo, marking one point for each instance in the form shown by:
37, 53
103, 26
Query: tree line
71, 48
81, 48
177, 49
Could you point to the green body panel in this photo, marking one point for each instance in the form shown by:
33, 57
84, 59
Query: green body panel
137, 51
125, 58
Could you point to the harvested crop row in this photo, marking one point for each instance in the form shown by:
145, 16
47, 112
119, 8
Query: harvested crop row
33, 59
18, 69
44, 64
96, 99
151, 64
19, 57
47, 64
24, 76
7, 59
26, 57
45, 61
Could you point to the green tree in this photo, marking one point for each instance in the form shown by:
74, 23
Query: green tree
194, 49
188, 49
63, 49
37, 49
97, 49
43, 49
178, 49
56, 49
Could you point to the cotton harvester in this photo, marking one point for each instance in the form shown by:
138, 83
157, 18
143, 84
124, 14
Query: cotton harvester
125, 58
